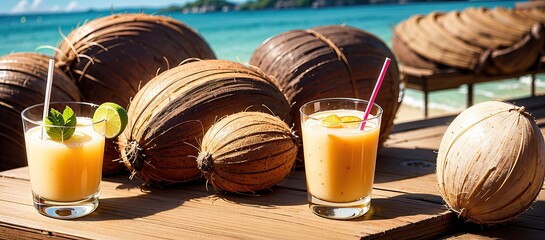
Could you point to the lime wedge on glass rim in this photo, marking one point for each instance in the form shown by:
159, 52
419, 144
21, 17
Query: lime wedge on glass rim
110, 119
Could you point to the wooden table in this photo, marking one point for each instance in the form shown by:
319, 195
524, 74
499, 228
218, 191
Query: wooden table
405, 205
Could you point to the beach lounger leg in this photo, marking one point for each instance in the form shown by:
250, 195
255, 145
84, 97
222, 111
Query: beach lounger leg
533, 85
469, 94
426, 98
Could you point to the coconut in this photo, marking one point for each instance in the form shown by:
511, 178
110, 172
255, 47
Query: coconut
111, 57
330, 61
491, 162
172, 112
247, 152
23, 77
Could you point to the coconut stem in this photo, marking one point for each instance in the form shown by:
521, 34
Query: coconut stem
522, 110
135, 155
204, 161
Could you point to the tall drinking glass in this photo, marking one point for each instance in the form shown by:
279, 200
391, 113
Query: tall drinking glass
339, 157
65, 175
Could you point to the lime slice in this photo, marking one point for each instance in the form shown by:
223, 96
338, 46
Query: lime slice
350, 121
331, 121
110, 119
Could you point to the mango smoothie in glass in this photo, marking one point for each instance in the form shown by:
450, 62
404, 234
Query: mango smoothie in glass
65, 174
339, 157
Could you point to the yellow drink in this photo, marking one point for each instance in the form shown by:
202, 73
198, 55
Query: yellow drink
65, 171
340, 162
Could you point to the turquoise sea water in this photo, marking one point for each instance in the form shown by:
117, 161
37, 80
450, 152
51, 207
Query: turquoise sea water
235, 35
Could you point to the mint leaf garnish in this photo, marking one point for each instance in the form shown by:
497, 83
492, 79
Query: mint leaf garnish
67, 120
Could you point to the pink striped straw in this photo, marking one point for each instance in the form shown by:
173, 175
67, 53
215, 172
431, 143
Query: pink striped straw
375, 91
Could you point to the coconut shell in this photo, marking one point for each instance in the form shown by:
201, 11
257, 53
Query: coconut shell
330, 61
23, 79
491, 162
172, 112
247, 152
111, 57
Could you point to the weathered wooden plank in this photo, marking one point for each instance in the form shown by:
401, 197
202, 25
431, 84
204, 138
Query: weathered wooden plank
8, 231
192, 211
439, 226
427, 138
19, 173
424, 123
501, 232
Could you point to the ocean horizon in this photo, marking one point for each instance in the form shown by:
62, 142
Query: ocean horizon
234, 35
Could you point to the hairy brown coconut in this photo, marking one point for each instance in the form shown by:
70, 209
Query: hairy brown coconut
491, 162
171, 113
112, 57
247, 152
23, 78
330, 61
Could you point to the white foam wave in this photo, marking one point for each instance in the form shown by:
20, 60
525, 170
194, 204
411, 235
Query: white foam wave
528, 80
509, 86
413, 102
488, 94
462, 89
444, 107
419, 103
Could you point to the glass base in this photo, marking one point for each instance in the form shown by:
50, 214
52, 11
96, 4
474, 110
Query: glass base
335, 210
65, 210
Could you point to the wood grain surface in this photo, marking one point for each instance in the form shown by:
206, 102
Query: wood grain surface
405, 205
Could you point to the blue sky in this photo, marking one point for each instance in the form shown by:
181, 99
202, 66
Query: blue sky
29, 6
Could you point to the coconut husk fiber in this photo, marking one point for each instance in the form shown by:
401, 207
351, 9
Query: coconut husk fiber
23, 78
169, 116
479, 40
112, 57
330, 61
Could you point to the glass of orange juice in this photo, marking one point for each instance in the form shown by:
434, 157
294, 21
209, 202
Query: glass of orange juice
65, 174
339, 157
